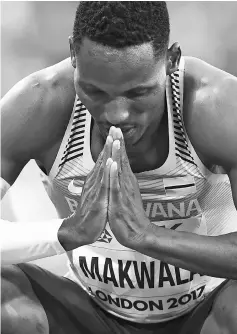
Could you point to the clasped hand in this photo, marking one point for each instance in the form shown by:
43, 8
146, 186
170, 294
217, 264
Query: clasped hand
126, 215
110, 194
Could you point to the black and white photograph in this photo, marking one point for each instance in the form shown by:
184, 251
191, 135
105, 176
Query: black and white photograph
118, 167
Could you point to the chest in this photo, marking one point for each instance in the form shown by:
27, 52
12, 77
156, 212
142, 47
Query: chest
53, 142
48, 157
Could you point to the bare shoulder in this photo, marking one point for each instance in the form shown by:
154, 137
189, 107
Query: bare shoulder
35, 113
210, 112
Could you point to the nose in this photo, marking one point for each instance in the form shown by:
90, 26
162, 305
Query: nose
117, 111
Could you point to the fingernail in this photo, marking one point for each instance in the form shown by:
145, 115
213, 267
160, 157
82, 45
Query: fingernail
112, 128
119, 132
108, 139
109, 160
115, 165
117, 143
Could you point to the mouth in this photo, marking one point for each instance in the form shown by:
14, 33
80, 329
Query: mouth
127, 131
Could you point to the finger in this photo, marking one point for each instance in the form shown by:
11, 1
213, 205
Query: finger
116, 156
124, 157
117, 134
107, 151
104, 155
96, 173
105, 183
122, 182
116, 151
112, 132
123, 149
126, 174
114, 183
125, 164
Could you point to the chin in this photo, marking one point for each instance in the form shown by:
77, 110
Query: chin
133, 140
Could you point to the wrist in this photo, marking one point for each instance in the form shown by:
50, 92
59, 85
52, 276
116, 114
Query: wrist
161, 243
67, 234
145, 240
154, 237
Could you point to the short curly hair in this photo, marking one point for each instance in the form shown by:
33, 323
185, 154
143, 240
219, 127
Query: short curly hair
120, 24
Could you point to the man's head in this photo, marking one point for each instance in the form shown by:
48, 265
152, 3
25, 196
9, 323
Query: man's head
119, 50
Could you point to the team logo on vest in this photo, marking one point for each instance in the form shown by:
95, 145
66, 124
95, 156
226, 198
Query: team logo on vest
73, 189
105, 237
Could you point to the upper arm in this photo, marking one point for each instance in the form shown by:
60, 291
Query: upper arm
19, 109
211, 114
34, 116
211, 119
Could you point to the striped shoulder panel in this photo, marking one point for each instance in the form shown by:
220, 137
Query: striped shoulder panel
181, 145
75, 144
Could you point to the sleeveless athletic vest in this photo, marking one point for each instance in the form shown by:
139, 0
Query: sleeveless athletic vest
181, 195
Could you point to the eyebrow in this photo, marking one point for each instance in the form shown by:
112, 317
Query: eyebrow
140, 87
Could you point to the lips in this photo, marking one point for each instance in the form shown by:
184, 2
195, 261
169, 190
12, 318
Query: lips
127, 128
123, 128
128, 132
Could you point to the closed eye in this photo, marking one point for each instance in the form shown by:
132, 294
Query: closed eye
90, 89
95, 92
139, 92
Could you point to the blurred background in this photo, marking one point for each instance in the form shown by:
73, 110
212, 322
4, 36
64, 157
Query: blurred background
34, 35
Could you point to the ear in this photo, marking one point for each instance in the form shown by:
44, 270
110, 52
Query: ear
173, 58
72, 52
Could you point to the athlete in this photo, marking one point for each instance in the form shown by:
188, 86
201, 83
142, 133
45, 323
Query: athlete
139, 148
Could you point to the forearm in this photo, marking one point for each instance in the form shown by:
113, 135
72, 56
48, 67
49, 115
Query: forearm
24, 242
212, 256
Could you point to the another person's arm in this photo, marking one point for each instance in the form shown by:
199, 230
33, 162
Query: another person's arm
28, 127
23, 241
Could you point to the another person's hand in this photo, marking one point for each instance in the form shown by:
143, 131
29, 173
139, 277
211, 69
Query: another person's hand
89, 220
127, 218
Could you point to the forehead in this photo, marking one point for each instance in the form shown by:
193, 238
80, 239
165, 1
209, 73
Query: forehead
102, 65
